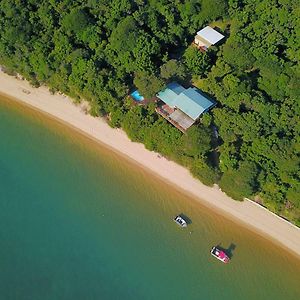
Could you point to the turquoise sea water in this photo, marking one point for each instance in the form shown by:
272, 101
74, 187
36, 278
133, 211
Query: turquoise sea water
80, 222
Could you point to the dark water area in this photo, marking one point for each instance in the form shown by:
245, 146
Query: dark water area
78, 221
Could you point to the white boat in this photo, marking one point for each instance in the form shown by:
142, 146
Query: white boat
180, 221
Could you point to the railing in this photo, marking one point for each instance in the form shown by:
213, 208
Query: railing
166, 115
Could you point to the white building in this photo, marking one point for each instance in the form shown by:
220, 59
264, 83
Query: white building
207, 37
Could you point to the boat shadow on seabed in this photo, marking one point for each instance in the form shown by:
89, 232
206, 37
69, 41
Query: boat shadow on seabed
228, 251
186, 218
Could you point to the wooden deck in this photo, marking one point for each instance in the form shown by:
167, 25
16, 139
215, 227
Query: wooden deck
164, 112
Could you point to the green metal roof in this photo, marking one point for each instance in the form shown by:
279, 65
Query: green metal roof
191, 101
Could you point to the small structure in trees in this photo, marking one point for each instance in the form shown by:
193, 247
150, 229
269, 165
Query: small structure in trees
207, 37
182, 107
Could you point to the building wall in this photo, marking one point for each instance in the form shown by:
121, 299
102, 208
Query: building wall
200, 42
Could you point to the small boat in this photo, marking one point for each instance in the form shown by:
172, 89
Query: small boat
180, 221
219, 254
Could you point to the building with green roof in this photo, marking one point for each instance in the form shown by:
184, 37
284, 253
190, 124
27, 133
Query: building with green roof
182, 107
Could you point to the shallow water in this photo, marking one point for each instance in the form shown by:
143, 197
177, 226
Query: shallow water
78, 221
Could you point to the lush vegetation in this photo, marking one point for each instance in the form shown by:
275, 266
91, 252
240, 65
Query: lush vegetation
97, 50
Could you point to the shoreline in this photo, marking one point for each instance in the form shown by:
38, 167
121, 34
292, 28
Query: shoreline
61, 108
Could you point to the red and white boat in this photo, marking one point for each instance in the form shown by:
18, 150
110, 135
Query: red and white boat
219, 254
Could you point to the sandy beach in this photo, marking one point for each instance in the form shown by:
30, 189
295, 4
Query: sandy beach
62, 108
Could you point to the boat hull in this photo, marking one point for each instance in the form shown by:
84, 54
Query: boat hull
180, 221
220, 255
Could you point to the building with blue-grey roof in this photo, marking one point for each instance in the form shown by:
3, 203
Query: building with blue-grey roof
182, 107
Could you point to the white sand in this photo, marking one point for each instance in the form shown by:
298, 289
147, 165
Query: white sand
62, 108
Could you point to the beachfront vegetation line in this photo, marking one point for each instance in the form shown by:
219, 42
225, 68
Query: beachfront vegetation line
101, 50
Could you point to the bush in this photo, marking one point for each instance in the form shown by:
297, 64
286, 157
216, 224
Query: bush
201, 170
198, 63
240, 183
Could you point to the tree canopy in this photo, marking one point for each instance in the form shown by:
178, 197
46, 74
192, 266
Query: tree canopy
98, 50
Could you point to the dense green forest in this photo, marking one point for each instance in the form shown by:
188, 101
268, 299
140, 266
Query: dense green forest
99, 50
